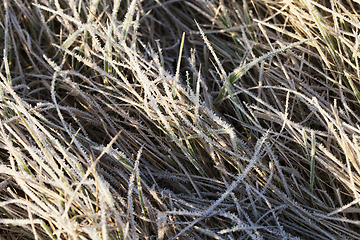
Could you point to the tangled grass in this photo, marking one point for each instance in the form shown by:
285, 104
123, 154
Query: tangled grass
197, 119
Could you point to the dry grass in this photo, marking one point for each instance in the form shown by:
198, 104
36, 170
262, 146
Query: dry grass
179, 119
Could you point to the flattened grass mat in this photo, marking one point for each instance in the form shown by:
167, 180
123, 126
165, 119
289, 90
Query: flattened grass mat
198, 119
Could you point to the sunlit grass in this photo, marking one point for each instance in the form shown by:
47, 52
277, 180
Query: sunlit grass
179, 120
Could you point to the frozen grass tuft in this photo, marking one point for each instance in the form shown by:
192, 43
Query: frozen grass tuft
179, 119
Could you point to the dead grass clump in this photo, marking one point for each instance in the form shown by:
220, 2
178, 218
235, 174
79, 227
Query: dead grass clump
179, 119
